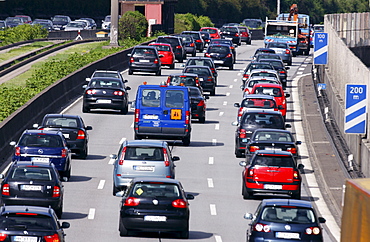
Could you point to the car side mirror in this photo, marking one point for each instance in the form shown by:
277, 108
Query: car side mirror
237, 105
298, 142
129, 55
84, 86
88, 79
120, 194
66, 225
125, 81
2, 176
216, 74
235, 123
288, 126
242, 87
88, 128
300, 166
175, 158
322, 220
13, 143
287, 68
243, 163
287, 95
128, 88
206, 97
35, 126
189, 196
248, 216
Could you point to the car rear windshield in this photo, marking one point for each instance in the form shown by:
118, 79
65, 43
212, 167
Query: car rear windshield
41, 140
175, 99
151, 97
162, 47
172, 41
258, 103
260, 66
196, 70
262, 56
263, 120
289, 214
24, 221
273, 160
272, 136
195, 36
218, 49
277, 45
143, 52
31, 172
153, 190
61, 122
106, 74
268, 74
211, 31
230, 29
199, 63
272, 91
100, 83
144, 153
186, 80
254, 82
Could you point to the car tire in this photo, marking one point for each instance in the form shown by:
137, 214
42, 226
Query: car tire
202, 119
186, 140
231, 67
124, 110
130, 72
122, 230
289, 63
213, 92
172, 66
83, 153
137, 137
246, 195
67, 174
115, 190
184, 234
59, 211
194, 54
181, 60
85, 109
158, 73
297, 195
238, 154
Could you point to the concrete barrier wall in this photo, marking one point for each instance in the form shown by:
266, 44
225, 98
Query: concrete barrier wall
345, 68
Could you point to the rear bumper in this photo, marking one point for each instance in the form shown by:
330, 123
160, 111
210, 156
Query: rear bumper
42, 202
154, 68
172, 224
287, 188
115, 104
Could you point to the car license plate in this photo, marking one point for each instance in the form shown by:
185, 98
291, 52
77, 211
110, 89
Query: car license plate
155, 218
218, 61
229, 38
273, 187
244, 140
103, 101
66, 136
30, 188
24, 239
143, 60
285, 235
144, 168
272, 148
150, 116
40, 159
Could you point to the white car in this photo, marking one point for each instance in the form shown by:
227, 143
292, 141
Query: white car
75, 26
258, 80
106, 22
87, 23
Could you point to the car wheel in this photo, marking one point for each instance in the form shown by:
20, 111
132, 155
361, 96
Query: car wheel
172, 66
158, 73
122, 230
250, 42
294, 54
289, 63
297, 195
115, 190
202, 119
246, 195
125, 110
85, 109
83, 153
194, 54
213, 92
137, 137
59, 211
186, 140
67, 174
184, 234
130, 72
231, 67
238, 154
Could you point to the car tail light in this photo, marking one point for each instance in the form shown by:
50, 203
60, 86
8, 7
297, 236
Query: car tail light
122, 157
198, 40
179, 47
282, 72
242, 134
213, 70
236, 34
64, 153
253, 148
179, 203
207, 55
201, 103
210, 79
166, 160
17, 151
240, 113
81, 134
295, 175
187, 117
131, 59
91, 91
131, 201
246, 91
191, 44
137, 115
56, 191
313, 230
3, 236
287, 51
262, 228
6, 190
118, 93
168, 80
197, 81
292, 150
52, 238
245, 76
156, 61
228, 55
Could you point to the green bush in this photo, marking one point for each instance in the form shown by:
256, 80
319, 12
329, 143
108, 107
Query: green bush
132, 25
21, 33
189, 21
204, 21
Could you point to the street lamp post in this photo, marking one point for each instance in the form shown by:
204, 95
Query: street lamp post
114, 23
278, 7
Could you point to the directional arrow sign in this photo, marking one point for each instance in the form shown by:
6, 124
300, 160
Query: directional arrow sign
356, 109
321, 49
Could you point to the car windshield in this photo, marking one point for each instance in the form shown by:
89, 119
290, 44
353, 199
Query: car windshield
151, 97
175, 99
107, 18
218, 49
195, 92
273, 161
171, 41
144, 153
289, 214
273, 136
41, 140
61, 122
272, 91
262, 120
31, 173
157, 189
162, 47
258, 103
99, 83
260, 66
26, 221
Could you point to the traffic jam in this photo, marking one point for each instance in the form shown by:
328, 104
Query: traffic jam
195, 140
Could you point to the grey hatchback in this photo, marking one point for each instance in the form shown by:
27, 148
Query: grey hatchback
136, 158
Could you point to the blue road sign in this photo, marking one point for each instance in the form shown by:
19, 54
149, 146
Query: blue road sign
320, 49
321, 86
356, 109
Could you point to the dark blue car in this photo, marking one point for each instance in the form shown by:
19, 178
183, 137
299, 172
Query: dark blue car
284, 219
44, 146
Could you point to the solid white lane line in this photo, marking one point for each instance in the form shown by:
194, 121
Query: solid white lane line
91, 213
210, 182
70, 106
220, 114
211, 160
225, 103
132, 125
218, 238
217, 126
214, 141
101, 184
299, 73
212, 207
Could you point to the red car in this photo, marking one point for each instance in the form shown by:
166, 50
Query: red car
213, 32
245, 35
271, 171
165, 54
274, 90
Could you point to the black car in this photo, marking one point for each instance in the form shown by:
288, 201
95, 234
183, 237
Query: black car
203, 61
33, 183
273, 56
272, 139
221, 55
60, 21
206, 78
199, 42
255, 65
189, 44
176, 44
252, 120
73, 129
232, 33
198, 104
105, 93
144, 59
155, 205
280, 68
284, 220
206, 37
30, 223
226, 42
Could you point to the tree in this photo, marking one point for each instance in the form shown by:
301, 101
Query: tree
132, 25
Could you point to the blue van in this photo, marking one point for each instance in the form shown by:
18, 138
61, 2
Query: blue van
163, 112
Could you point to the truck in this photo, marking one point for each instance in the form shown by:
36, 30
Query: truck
356, 211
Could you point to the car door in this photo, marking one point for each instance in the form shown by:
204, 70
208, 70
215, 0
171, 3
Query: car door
148, 111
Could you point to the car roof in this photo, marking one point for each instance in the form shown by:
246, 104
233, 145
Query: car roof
25, 208
267, 85
149, 143
161, 86
184, 74
262, 111
33, 163
60, 115
155, 43
145, 47
273, 130
106, 78
273, 152
39, 131
259, 96
286, 202
154, 179
263, 70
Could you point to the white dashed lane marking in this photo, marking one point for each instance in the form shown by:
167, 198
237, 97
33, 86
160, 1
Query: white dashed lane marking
218, 238
211, 160
220, 114
210, 182
101, 184
91, 213
225, 103
212, 207
217, 126
214, 141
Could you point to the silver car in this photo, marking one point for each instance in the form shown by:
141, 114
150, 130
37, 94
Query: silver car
283, 50
139, 158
